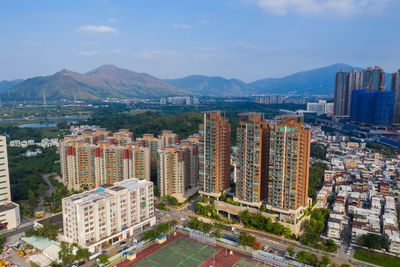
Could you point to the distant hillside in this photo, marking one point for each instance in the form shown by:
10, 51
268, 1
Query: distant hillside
111, 81
105, 81
213, 86
5, 85
316, 81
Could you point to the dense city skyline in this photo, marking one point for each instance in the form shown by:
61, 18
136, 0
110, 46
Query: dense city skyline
245, 39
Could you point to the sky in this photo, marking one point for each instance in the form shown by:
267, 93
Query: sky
244, 39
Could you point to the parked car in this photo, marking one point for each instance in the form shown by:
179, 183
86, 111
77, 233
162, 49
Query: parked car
133, 240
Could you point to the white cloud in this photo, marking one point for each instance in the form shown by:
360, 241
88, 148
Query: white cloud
308, 7
91, 29
155, 54
112, 20
89, 53
181, 26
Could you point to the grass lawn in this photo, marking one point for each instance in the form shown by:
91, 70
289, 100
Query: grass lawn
376, 258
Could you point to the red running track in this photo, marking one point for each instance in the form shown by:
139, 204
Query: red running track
220, 259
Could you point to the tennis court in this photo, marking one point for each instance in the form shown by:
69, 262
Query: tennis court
244, 262
182, 252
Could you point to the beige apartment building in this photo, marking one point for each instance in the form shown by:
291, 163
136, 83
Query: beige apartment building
168, 138
110, 213
9, 211
178, 169
92, 159
154, 144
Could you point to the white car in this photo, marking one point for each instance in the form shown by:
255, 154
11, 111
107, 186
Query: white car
133, 240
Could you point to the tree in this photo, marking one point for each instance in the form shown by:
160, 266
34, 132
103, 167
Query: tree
316, 177
66, 253
318, 151
29, 232
103, 258
32, 201
290, 250
246, 239
171, 200
149, 235
3, 240
330, 245
325, 260
277, 228
42, 191
48, 230
307, 257
218, 233
245, 217
373, 241
82, 253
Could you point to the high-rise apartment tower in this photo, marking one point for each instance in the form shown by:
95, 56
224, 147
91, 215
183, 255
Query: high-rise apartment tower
214, 154
252, 158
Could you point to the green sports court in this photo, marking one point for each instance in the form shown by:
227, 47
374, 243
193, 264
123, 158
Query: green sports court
244, 262
182, 252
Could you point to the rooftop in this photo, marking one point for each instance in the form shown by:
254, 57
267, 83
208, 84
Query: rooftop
7, 206
40, 243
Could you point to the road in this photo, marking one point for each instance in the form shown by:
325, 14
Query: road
50, 187
19, 229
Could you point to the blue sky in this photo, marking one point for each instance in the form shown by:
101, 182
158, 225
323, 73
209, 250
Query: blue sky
245, 39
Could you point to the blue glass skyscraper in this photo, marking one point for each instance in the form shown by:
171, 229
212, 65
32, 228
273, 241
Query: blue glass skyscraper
372, 108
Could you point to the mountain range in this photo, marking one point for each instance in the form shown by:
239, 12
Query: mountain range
109, 81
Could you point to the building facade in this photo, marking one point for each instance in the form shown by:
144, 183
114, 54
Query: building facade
373, 79
345, 83
9, 211
168, 138
396, 91
148, 140
320, 107
89, 161
288, 165
178, 169
252, 159
370, 79
372, 108
171, 172
109, 213
214, 154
